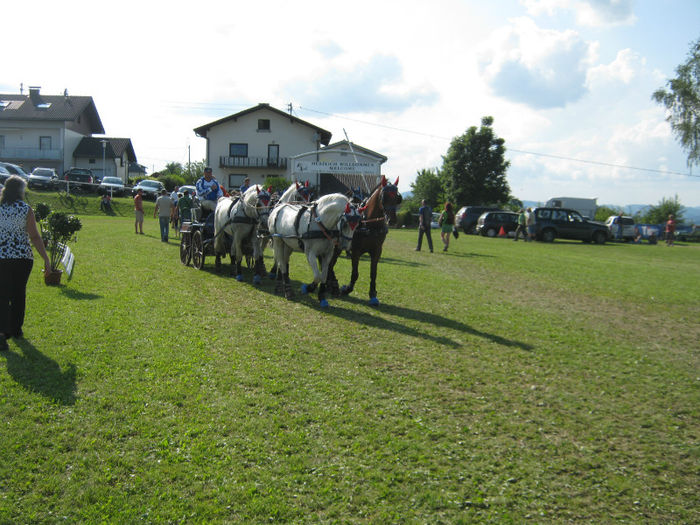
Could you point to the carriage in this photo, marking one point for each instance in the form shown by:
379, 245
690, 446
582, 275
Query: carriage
197, 242
196, 239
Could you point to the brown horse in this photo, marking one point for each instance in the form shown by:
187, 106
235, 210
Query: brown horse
378, 210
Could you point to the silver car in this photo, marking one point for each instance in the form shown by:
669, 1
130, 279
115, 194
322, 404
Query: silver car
45, 178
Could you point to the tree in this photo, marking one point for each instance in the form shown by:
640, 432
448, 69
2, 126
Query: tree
173, 168
474, 169
682, 100
603, 212
659, 214
428, 185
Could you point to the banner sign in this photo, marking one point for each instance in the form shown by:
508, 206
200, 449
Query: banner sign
341, 167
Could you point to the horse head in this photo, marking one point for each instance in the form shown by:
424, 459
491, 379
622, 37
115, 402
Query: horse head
263, 202
304, 192
390, 199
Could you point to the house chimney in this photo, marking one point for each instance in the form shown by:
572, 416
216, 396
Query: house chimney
34, 95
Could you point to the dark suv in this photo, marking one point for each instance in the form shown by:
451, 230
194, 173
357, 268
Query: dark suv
491, 222
80, 178
468, 215
563, 223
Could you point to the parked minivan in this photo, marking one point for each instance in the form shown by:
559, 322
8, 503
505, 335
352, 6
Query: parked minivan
627, 223
468, 215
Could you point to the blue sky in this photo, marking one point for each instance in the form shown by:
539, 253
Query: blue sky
564, 79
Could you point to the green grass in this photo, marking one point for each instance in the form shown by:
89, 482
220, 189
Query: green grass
500, 382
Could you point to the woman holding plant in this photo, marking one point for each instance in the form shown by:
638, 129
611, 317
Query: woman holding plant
17, 228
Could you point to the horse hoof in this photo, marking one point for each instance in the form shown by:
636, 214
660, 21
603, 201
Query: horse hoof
257, 279
345, 290
239, 278
272, 275
373, 301
323, 303
304, 289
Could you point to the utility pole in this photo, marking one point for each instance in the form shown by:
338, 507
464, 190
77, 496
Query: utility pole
289, 108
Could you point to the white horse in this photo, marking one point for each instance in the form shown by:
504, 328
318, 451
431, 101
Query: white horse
239, 218
317, 230
295, 194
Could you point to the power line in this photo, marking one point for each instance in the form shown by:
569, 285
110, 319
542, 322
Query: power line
537, 154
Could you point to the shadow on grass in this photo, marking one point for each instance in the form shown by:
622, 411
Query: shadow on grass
365, 319
434, 320
41, 374
78, 295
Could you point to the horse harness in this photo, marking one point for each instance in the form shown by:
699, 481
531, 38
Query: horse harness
332, 235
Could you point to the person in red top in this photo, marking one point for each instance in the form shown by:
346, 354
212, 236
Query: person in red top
138, 211
670, 230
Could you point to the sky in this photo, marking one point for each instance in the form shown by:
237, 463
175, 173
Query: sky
568, 82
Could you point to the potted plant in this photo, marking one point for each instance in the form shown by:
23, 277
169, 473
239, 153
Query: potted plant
58, 228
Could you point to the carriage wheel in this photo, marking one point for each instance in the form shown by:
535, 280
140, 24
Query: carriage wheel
186, 248
197, 250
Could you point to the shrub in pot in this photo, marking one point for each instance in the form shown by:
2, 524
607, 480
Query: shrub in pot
59, 228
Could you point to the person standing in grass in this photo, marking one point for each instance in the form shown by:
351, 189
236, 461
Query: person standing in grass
530, 223
17, 229
138, 211
164, 209
447, 220
670, 230
425, 216
522, 226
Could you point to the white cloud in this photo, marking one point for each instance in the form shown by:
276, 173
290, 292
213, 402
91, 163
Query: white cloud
624, 68
542, 68
592, 13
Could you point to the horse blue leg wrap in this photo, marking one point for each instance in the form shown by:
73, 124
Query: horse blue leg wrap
239, 277
323, 303
304, 289
257, 279
373, 301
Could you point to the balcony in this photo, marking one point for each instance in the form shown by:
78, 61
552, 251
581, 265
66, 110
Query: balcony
253, 162
30, 154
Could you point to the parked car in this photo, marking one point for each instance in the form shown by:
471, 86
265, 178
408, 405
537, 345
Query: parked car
628, 228
688, 233
112, 186
14, 169
4, 174
434, 220
80, 178
151, 188
490, 223
43, 178
467, 216
563, 223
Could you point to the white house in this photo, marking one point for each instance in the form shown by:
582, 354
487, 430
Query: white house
105, 156
56, 131
261, 141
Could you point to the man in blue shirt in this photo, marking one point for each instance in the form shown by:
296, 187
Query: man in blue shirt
425, 216
245, 185
208, 190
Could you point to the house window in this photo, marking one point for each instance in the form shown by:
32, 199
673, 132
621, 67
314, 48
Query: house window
273, 154
264, 124
91, 161
2, 141
238, 150
235, 180
44, 142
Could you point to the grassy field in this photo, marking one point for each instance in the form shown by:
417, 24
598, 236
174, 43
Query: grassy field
499, 382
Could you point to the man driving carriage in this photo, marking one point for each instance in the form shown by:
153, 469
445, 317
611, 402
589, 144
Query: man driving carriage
208, 190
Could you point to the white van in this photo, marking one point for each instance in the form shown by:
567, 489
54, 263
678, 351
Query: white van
628, 228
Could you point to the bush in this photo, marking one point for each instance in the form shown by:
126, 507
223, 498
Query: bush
170, 181
60, 228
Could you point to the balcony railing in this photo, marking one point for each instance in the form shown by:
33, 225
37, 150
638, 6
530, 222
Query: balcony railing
253, 162
30, 154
